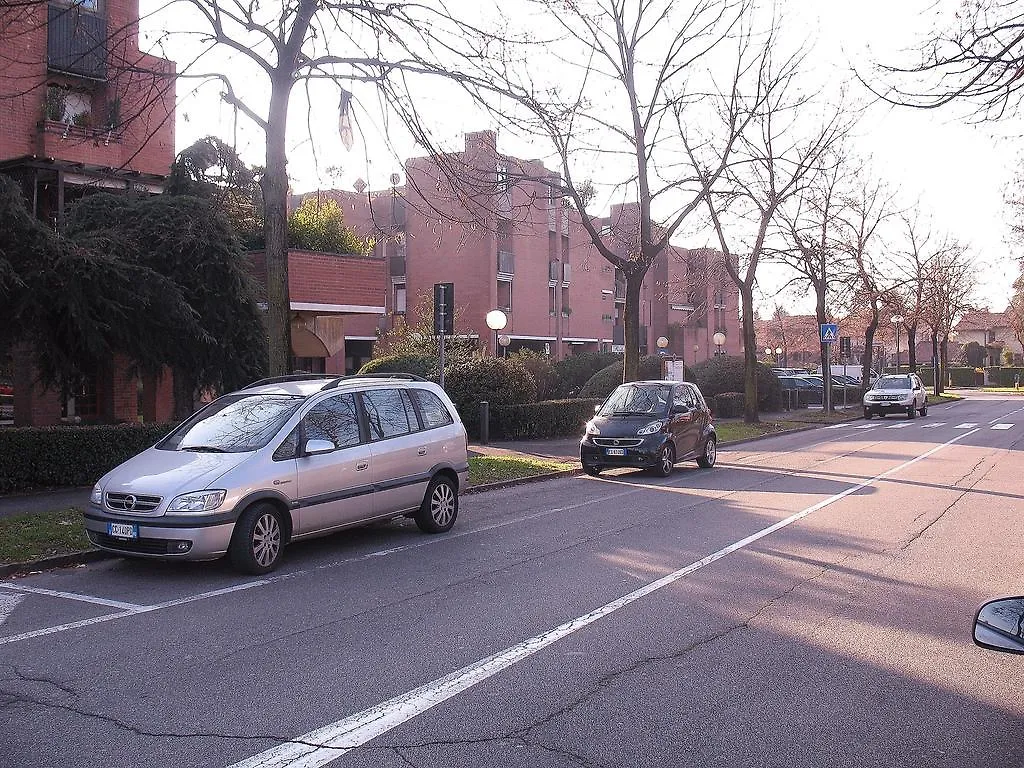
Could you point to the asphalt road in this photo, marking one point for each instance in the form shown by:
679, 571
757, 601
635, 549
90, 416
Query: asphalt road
806, 603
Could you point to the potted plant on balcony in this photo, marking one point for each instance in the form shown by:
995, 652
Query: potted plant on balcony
56, 103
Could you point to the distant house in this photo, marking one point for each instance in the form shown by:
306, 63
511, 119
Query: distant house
993, 332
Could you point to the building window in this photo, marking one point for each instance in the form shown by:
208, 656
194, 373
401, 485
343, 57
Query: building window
399, 298
991, 336
566, 306
552, 300
505, 295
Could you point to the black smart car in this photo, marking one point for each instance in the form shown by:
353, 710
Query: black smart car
650, 425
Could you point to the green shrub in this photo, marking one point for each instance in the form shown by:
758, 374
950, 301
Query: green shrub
497, 380
604, 382
542, 368
728, 405
575, 371
1004, 376
726, 374
549, 418
963, 377
319, 225
46, 457
415, 364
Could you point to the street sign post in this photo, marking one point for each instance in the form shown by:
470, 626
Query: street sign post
829, 335
444, 319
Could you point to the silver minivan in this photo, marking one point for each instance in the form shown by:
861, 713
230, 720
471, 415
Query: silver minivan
284, 459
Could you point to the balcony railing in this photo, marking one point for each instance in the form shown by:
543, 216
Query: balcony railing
76, 42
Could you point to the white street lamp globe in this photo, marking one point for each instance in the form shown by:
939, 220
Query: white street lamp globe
496, 319
768, 351
719, 338
897, 319
662, 342
778, 350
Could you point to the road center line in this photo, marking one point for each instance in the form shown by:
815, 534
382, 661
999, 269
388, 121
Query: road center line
324, 745
1006, 416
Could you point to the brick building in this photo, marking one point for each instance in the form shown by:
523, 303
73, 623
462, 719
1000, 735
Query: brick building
83, 110
992, 331
507, 242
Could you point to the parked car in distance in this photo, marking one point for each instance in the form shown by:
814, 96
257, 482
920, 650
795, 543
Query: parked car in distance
789, 371
896, 393
650, 424
284, 459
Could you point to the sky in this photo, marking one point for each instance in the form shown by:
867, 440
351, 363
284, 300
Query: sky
955, 172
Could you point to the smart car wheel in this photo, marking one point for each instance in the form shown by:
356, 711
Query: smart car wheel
258, 540
709, 454
440, 506
666, 460
592, 471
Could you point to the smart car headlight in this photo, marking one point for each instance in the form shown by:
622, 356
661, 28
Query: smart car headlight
197, 502
650, 429
592, 428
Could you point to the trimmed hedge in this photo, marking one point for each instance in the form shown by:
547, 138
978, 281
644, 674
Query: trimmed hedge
415, 364
548, 418
726, 374
497, 380
576, 370
728, 405
964, 377
1002, 376
41, 457
604, 382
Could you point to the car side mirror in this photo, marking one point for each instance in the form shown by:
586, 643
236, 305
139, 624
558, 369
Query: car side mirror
317, 447
999, 625
597, 408
680, 409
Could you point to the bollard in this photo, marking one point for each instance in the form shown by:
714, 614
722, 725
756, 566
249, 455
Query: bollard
485, 418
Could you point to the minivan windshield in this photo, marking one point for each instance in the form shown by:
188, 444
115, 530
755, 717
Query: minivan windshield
894, 382
233, 424
638, 400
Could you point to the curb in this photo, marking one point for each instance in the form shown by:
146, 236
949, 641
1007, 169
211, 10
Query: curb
52, 563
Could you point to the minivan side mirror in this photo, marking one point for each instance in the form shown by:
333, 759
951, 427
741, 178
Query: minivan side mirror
999, 625
317, 447
597, 408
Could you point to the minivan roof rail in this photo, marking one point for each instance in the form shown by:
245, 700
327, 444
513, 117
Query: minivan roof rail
341, 379
292, 377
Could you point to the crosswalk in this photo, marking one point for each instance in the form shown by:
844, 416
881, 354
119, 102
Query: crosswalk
997, 426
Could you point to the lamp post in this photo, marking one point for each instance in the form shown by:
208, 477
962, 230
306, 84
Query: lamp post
719, 339
768, 355
896, 320
662, 344
496, 320
778, 357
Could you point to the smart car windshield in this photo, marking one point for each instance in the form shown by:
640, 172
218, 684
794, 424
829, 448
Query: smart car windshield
638, 400
894, 382
233, 424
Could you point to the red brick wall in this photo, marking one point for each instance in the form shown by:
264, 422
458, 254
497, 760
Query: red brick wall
143, 83
328, 278
34, 406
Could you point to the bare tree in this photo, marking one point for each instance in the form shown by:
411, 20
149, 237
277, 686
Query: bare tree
870, 205
771, 165
977, 57
950, 285
635, 99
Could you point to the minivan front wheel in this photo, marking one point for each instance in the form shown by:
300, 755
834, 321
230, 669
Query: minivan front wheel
440, 506
258, 540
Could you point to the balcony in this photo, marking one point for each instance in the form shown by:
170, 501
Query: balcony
76, 42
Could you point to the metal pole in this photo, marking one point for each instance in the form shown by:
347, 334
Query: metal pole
441, 350
485, 419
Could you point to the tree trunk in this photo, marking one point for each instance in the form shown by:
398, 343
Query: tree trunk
869, 347
631, 329
275, 198
183, 388
825, 349
912, 347
944, 360
936, 371
750, 415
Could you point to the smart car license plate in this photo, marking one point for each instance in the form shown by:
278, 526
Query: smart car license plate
123, 530
615, 451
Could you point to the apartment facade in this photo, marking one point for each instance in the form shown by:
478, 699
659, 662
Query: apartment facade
506, 239
83, 110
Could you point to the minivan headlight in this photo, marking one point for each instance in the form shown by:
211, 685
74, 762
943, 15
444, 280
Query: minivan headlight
197, 502
96, 497
650, 429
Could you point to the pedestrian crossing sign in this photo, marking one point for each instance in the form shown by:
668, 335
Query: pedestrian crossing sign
829, 332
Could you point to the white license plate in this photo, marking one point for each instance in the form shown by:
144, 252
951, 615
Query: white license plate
123, 530
615, 451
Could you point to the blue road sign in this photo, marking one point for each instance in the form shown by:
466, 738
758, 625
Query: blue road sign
829, 332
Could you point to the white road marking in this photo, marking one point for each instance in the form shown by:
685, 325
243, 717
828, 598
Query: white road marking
74, 596
324, 745
1002, 426
934, 424
1008, 415
865, 426
7, 605
901, 425
966, 425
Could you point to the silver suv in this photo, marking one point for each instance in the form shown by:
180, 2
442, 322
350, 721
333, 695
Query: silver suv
900, 393
285, 459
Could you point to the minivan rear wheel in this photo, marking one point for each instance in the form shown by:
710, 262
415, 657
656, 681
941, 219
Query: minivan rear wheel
258, 541
440, 506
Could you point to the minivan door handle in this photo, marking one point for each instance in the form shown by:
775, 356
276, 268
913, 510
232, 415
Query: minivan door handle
362, 465
422, 451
